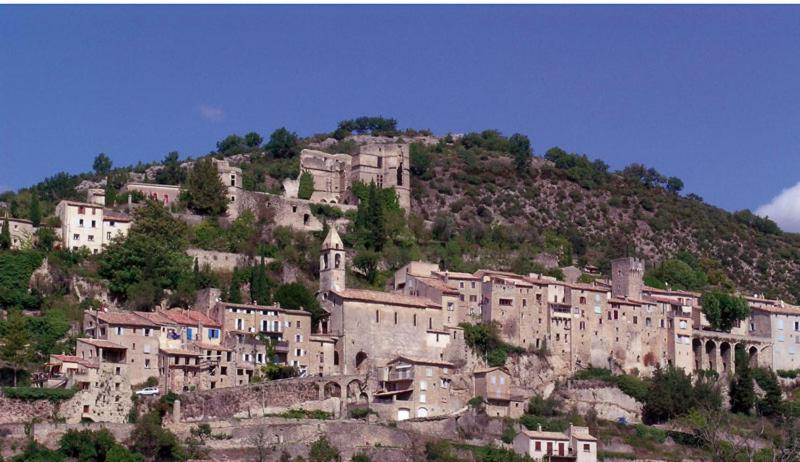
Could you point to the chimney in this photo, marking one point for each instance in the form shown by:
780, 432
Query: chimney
540, 427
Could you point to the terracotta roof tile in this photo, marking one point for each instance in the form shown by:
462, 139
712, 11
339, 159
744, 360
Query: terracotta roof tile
103, 343
123, 318
189, 317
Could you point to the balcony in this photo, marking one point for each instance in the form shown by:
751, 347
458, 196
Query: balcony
281, 346
397, 375
561, 310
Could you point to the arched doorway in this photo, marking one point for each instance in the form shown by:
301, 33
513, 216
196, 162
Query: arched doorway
697, 349
711, 354
725, 354
333, 390
354, 391
361, 362
753, 356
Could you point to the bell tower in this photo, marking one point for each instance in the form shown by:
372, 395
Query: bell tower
331, 264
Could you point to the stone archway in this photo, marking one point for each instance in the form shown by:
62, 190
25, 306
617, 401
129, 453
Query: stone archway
332, 390
361, 362
355, 388
697, 349
711, 354
725, 355
752, 356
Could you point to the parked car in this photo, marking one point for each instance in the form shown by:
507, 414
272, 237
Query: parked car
149, 391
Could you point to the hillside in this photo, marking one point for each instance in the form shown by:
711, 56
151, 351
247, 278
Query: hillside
474, 204
494, 215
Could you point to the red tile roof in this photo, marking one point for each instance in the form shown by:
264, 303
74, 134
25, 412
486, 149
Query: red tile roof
190, 318
123, 318
437, 284
74, 359
156, 318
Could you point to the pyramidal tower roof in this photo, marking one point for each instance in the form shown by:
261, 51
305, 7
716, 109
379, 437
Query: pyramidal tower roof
332, 241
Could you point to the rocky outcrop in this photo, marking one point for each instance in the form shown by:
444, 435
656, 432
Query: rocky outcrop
48, 279
609, 402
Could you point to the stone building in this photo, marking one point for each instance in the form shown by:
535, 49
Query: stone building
494, 385
89, 226
385, 164
22, 232
576, 444
248, 328
163, 193
414, 388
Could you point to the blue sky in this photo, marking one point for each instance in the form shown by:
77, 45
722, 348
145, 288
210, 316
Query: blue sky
706, 93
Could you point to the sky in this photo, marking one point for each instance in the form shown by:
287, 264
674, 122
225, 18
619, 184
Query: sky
705, 93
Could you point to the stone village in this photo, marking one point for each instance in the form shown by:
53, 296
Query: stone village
400, 351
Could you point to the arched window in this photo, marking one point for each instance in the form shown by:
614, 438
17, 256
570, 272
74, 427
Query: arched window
337, 260
325, 261
400, 175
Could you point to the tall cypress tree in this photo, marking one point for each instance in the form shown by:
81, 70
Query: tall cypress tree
259, 285
35, 213
743, 395
5, 236
235, 291
375, 218
14, 348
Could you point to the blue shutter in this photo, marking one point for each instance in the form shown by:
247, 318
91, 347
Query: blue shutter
189, 333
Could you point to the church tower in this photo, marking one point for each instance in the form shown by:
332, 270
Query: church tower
331, 264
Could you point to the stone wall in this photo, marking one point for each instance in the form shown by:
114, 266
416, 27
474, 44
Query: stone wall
260, 399
220, 261
16, 411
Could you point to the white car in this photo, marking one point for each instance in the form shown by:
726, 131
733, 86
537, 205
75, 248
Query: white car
149, 391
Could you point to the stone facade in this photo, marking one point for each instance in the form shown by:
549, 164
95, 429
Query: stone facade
89, 226
416, 388
221, 261
22, 232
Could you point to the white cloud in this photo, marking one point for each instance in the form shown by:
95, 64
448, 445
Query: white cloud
784, 209
212, 113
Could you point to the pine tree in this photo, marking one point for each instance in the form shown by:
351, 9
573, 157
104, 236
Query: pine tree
743, 395
14, 349
375, 219
35, 213
235, 291
5, 236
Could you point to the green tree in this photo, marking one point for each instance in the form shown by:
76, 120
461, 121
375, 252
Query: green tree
154, 442
521, 151
207, 194
232, 144
771, 403
119, 453
5, 236
669, 395
674, 184
253, 140
15, 346
235, 290
375, 219
45, 238
306, 187
152, 257
35, 452
321, 450
172, 173
102, 164
259, 285
678, 274
723, 310
35, 212
366, 261
742, 392
87, 445
283, 144
296, 296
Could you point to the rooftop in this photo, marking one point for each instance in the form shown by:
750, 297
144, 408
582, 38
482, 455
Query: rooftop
413, 360
275, 307
99, 343
122, 318
74, 359
385, 298
189, 317
545, 435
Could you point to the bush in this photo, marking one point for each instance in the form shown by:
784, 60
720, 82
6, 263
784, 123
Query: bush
651, 433
788, 374
361, 412
31, 393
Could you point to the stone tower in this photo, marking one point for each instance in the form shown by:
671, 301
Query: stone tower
626, 278
331, 263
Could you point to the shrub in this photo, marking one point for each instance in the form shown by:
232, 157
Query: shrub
361, 412
651, 433
788, 374
31, 393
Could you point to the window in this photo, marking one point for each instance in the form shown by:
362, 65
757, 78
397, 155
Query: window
239, 324
415, 320
189, 333
780, 324
298, 338
80, 222
505, 302
90, 238
583, 300
76, 237
635, 320
147, 364
298, 352
422, 397
94, 224
429, 372
537, 446
147, 348
119, 330
108, 235
473, 298
377, 316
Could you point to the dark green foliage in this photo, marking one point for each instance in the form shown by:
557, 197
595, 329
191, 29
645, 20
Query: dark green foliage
34, 393
521, 151
678, 274
366, 261
360, 412
205, 191
232, 144
14, 349
153, 441
671, 394
59, 186
306, 186
15, 272
762, 224
283, 144
540, 406
420, 160
674, 184
235, 290
5, 235
119, 453
628, 384
152, 258
579, 168
87, 445
788, 374
360, 457
35, 211
532, 422
172, 173
377, 126
325, 211
46, 332
35, 452
723, 310
378, 217
45, 238
770, 404
742, 392
641, 175
259, 285
443, 451
321, 450
253, 140
102, 164
484, 339
296, 296
508, 432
